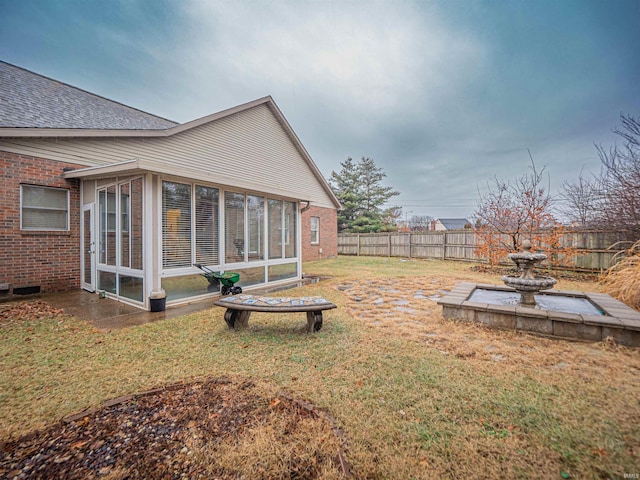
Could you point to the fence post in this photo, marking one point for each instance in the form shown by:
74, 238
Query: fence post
595, 252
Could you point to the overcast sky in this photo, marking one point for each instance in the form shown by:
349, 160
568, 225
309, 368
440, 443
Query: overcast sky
442, 94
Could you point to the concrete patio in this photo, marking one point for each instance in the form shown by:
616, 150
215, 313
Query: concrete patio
107, 314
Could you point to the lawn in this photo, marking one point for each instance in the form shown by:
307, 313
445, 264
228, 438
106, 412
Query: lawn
416, 396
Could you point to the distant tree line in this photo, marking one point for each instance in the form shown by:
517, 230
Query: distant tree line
419, 223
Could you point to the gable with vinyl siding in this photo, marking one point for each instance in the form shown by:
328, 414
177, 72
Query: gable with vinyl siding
248, 149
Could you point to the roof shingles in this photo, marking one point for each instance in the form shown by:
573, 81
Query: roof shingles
454, 223
29, 100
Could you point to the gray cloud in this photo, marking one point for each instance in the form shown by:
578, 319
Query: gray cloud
444, 95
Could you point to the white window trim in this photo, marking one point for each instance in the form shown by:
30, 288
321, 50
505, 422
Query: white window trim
265, 261
22, 207
316, 230
172, 271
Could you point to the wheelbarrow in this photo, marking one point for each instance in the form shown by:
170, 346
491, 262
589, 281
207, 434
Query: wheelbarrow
227, 279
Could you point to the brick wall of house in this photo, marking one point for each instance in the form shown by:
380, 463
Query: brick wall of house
50, 260
328, 244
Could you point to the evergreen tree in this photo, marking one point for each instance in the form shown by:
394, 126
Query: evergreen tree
359, 188
345, 185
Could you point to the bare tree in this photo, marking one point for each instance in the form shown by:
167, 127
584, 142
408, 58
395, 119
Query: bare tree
390, 218
620, 178
514, 210
580, 200
419, 223
513, 207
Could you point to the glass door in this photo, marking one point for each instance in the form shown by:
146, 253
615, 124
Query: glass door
88, 259
120, 246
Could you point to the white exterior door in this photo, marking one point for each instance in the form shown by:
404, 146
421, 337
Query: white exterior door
88, 248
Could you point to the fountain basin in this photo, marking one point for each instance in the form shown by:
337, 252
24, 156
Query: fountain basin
550, 301
529, 284
559, 313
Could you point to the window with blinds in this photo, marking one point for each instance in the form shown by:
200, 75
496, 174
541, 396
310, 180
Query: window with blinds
207, 226
275, 228
191, 226
255, 227
176, 225
44, 208
315, 229
234, 227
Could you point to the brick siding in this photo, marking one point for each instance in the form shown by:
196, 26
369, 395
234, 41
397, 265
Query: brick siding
328, 234
50, 260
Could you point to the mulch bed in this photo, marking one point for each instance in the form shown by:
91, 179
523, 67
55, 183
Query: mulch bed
15, 312
169, 433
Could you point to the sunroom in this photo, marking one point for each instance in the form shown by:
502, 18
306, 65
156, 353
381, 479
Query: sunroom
124, 202
225, 229
143, 232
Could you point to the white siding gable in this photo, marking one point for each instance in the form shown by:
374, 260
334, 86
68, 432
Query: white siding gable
248, 150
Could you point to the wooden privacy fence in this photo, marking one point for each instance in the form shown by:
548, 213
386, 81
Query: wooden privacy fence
596, 248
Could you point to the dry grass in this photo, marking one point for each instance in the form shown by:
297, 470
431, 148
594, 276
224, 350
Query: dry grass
417, 396
623, 279
274, 449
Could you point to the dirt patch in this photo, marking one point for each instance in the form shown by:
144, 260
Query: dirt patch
212, 429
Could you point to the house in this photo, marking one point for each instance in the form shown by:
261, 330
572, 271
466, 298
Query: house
98, 195
450, 224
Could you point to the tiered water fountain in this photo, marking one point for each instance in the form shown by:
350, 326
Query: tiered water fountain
527, 284
527, 303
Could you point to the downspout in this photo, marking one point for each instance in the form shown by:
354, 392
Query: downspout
302, 210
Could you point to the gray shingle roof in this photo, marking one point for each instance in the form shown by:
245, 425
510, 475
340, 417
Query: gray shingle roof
29, 100
454, 223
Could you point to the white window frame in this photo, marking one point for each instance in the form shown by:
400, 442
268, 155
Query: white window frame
125, 210
315, 232
23, 207
251, 249
193, 238
180, 243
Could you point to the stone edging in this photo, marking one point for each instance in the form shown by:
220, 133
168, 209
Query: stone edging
619, 322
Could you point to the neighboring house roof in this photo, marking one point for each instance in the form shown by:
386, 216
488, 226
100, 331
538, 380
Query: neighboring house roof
127, 122
454, 223
29, 100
